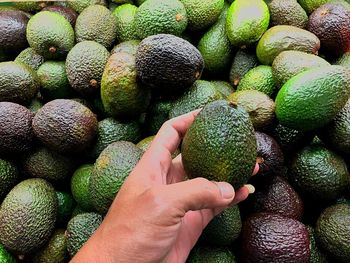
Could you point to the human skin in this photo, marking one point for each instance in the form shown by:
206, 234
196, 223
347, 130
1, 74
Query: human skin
158, 216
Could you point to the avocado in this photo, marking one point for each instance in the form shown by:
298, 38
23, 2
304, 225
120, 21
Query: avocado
9, 176
223, 87
319, 174
5, 256
317, 255
19, 83
111, 169
127, 47
160, 16
111, 130
298, 101
80, 228
291, 62
54, 82
276, 196
203, 254
84, 65
261, 108
78, 210
247, 21
54, 251
122, 96
200, 94
284, 37
157, 114
66, 12
96, 23
332, 231
79, 5
311, 5
31, 6
223, 229
216, 48
80, 186
287, 12
331, 24
202, 13
65, 126
336, 134
16, 134
344, 60
259, 78
65, 207
243, 61
27, 216
50, 35
47, 164
30, 57
35, 105
274, 238
230, 147
168, 64
126, 26
145, 143
13, 24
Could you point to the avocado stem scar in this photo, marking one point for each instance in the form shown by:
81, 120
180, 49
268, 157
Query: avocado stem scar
52, 50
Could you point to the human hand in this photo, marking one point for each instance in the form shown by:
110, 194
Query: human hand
157, 216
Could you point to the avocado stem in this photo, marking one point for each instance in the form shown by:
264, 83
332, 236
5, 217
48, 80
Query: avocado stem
20, 257
93, 83
260, 160
52, 50
178, 17
232, 104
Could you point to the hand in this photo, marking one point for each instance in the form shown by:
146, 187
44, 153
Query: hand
157, 216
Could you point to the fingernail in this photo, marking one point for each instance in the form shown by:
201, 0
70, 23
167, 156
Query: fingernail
251, 188
226, 190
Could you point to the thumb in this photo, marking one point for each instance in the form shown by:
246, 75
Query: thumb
200, 193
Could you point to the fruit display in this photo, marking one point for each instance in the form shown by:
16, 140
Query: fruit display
85, 86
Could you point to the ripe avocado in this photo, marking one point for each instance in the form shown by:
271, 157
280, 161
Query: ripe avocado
259, 78
298, 101
160, 16
168, 63
223, 229
211, 255
287, 12
243, 61
202, 13
65, 126
5, 256
96, 23
200, 94
319, 174
230, 147
54, 82
31, 58
84, 65
317, 255
50, 35
28, 215
261, 108
54, 251
127, 47
111, 130
274, 238
79, 5
13, 24
331, 24
291, 62
66, 12
126, 26
216, 48
122, 96
247, 21
65, 207
332, 231
79, 229
47, 164
283, 37
19, 83
336, 134
111, 169
80, 186
16, 133
9, 175
311, 5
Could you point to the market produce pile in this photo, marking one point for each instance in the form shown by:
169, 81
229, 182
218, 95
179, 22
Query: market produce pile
86, 84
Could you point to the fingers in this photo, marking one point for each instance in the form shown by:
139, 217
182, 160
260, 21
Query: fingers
256, 169
176, 172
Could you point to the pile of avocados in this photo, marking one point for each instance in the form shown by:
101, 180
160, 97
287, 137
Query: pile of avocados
85, 86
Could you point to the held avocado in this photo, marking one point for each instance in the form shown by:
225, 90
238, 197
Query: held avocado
220, 149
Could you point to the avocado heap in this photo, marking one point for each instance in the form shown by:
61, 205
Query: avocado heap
85, 86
